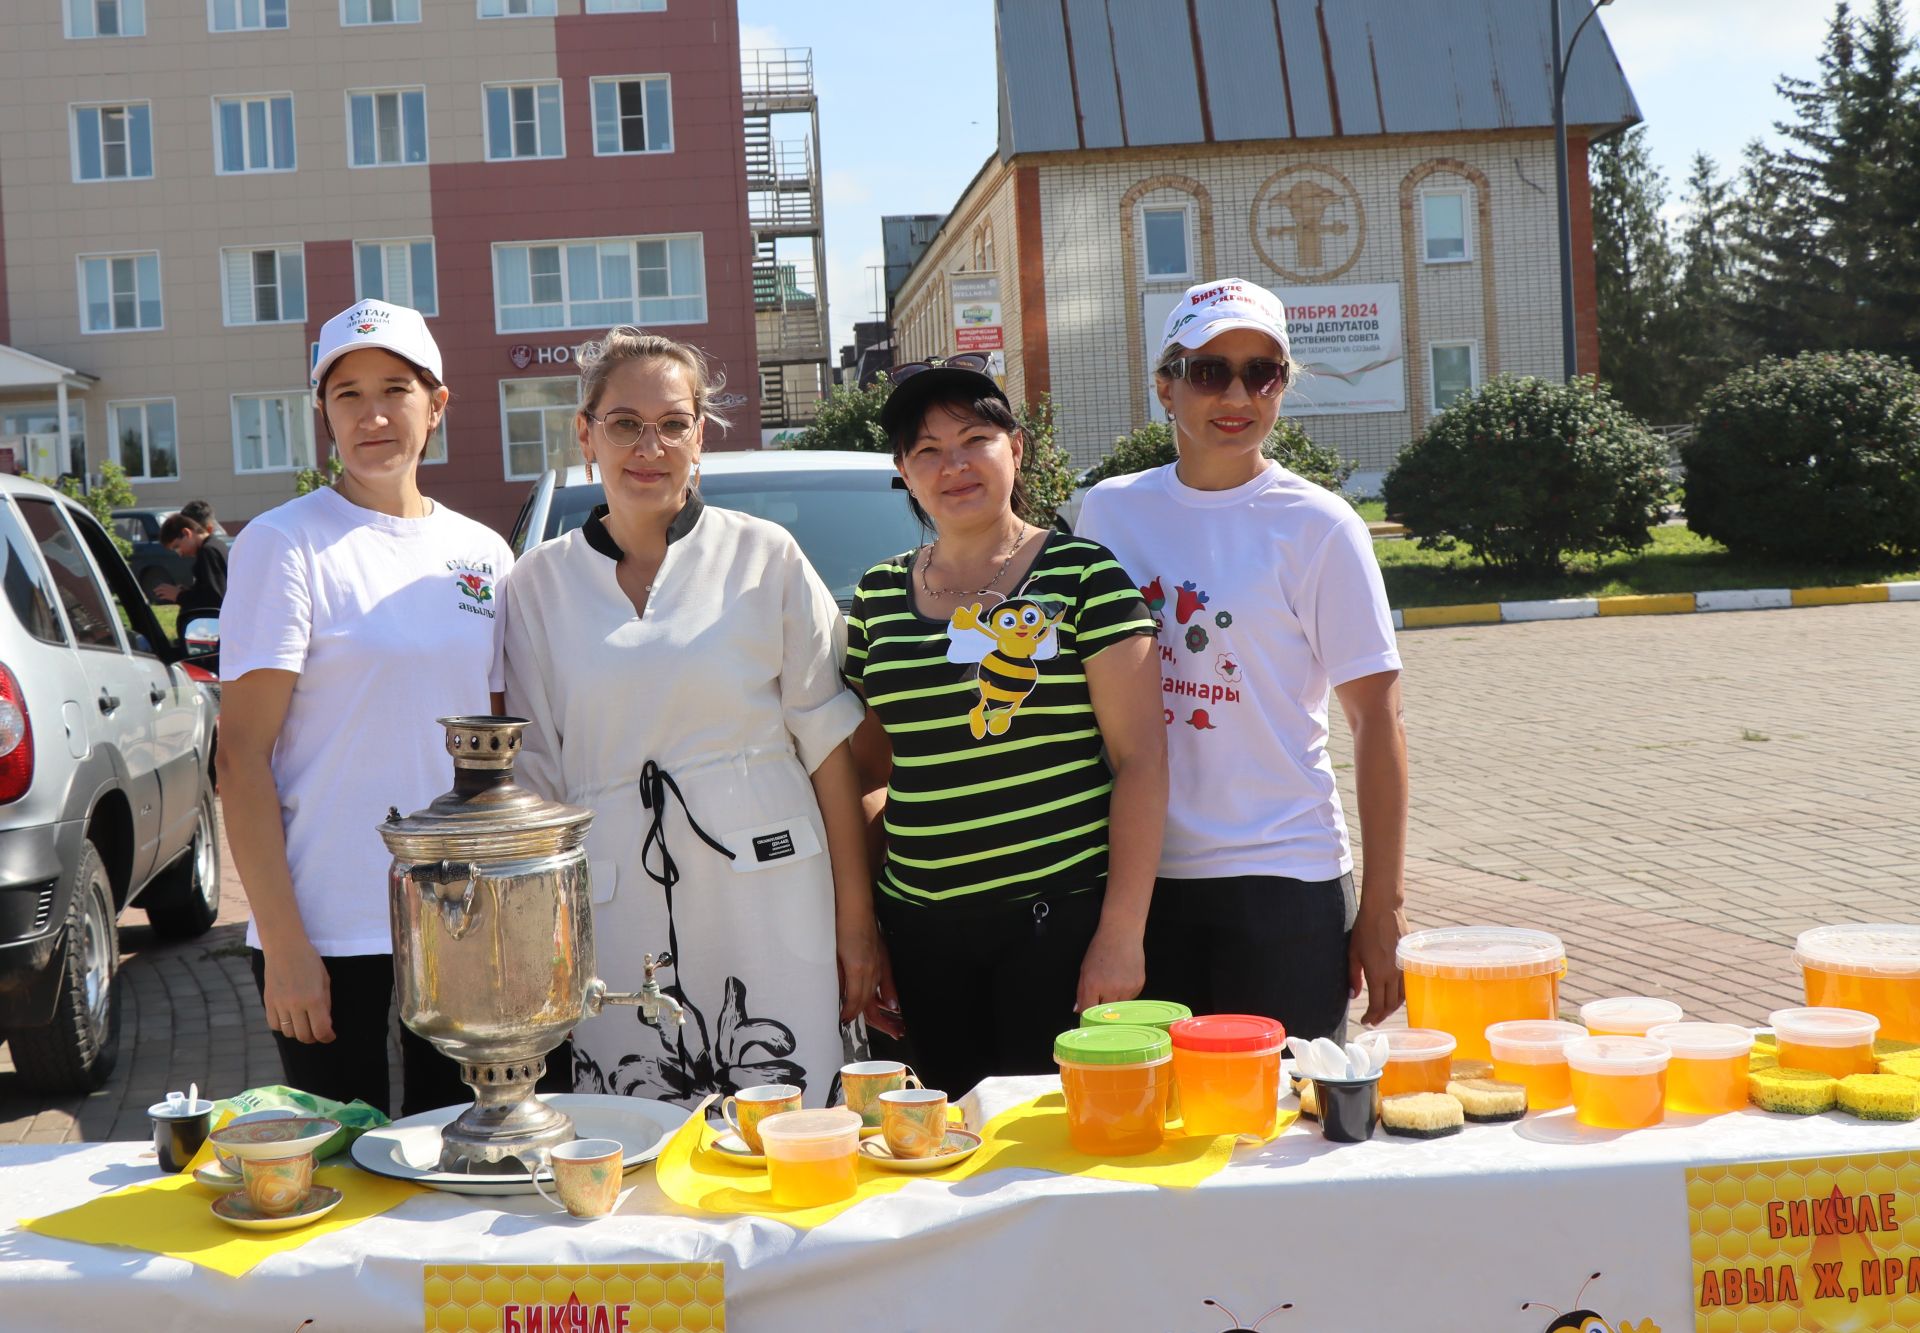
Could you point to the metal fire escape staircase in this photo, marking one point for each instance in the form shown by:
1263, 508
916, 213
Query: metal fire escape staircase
786, 215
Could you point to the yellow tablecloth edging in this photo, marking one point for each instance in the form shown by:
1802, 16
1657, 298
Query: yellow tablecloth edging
173, 1216
1032, 1134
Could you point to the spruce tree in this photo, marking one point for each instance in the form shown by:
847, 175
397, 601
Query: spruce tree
1706, 291
1635, 273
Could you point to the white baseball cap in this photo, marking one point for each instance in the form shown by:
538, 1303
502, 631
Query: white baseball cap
1209, 309
396, 328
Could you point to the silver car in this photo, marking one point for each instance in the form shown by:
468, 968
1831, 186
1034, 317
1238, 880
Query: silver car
106, 785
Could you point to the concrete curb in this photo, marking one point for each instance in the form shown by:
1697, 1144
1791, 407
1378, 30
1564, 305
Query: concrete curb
1655, 604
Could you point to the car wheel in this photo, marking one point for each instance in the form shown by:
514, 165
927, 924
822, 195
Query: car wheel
76, 1051
184, 898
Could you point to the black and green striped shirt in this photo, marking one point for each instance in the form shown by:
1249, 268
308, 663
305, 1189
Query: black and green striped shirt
999, 788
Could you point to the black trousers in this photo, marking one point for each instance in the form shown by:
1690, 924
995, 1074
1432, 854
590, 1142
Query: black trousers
1254, 944
985, 990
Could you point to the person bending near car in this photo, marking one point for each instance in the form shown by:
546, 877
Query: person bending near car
206, 585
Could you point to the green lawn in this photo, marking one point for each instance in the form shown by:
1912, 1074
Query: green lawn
1374, 511
1677, 561
169, 617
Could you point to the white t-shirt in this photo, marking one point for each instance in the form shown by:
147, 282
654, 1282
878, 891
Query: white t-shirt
1267, 595
391, 623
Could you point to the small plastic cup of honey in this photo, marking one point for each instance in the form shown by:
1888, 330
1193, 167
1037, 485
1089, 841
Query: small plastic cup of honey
1627, 1015
1618, 1082
1831, 1041
1418, 1060
1870, 967
1708, 1072
1533, 1053
811, 1156
1465, 978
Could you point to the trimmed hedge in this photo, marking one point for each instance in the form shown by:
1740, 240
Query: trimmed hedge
1152, 446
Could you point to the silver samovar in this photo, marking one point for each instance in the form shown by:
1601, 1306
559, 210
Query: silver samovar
493, 944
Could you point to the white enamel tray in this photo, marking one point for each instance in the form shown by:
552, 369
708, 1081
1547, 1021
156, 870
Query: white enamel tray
409, 1149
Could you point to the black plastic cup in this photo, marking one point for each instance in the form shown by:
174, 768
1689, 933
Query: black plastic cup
1349, 1108
176, 1138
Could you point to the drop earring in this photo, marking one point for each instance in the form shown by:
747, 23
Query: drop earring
589, 469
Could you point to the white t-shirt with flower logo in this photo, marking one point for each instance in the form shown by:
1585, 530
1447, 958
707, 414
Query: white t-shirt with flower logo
391, 623
1267, 596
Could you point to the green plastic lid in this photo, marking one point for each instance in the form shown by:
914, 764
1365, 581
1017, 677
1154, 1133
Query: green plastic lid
1135, 1014
1112, 1044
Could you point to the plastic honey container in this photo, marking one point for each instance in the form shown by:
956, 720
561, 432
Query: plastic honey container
1418, 1060
1708, 1072
1115, 1079
1618, 1082
1533, 1053
1161, 1014
811, 1156
1227, 1068
1627, 1015
1462, 979
1833, 1041
1872, 968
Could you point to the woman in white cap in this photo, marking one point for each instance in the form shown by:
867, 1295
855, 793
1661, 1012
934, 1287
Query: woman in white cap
1269, 599
354, 616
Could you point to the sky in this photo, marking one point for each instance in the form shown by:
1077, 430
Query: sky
908, 107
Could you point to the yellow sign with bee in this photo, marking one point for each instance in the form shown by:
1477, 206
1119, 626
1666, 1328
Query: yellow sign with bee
1829, 1244
573, 1298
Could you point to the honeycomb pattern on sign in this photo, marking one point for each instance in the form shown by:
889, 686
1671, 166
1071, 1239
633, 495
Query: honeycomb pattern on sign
1728, 1209
665, 1297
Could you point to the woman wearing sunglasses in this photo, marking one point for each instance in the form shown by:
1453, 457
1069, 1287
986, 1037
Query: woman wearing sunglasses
1269, 599
1013, 752
678, 665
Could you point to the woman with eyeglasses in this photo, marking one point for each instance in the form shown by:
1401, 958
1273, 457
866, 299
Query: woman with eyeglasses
678, 666
1268, 599
1012, 754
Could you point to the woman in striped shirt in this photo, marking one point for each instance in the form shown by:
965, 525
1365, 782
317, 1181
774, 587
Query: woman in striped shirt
1013, 701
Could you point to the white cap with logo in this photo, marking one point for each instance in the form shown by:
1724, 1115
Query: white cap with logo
394, 328
1209, 309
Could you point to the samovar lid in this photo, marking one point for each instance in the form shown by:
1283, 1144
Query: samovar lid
486, 815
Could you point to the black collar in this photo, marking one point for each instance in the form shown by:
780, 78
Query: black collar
602, 541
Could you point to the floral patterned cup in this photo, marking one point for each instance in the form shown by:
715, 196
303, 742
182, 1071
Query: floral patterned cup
864, 1081
747, 1108
914, 1121
277, 1186
586, 1176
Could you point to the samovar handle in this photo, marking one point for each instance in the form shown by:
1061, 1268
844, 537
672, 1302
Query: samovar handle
456, 913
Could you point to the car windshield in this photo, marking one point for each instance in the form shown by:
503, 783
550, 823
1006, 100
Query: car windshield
845, 522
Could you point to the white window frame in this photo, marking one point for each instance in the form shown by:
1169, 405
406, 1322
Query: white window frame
80, 280
67, 7
567, 300
486, 119
593, 107
372, 22
302, 412
433, 258
533, 9
239, 14
114, 408
506, 445
226, 314
1433, 377
73, 141
1186, 211
1465, 196
219, 143
400, 92
624, 7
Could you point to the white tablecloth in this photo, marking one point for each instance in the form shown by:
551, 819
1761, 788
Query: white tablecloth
1393, 1234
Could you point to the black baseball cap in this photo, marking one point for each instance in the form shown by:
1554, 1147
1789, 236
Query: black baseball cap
962, 376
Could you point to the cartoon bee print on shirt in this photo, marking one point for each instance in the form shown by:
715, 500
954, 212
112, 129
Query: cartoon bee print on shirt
1586, 1321
1006, 641
1249, 1328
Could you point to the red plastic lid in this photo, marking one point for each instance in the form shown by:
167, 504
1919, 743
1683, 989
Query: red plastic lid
1227, 1032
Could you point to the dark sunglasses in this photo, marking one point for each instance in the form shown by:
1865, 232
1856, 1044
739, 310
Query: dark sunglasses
1263, 376
974, 361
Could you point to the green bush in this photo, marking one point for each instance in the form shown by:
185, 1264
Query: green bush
310, 479
1152, 446
848, 418
1816, 458
1525, 472
112, 493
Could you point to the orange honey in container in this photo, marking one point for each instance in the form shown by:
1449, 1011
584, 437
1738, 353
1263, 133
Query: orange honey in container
1831, 1041
1464, 978
1227, 1067
811, 1156
1618, 1082
1627, 1015
1872, 968
1418, 1060
1116, 1080
1533, 1053
1708, 1072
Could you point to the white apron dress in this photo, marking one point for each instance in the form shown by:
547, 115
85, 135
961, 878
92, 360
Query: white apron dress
728, 690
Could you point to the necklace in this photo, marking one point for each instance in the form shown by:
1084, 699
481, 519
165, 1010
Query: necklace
926, 563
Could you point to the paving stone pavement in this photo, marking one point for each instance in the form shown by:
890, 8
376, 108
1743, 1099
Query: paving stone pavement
1676, 797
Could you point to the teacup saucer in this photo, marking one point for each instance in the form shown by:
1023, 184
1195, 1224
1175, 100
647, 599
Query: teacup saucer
238, 1210
730, 1145
216, 1177
961, 1144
